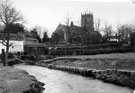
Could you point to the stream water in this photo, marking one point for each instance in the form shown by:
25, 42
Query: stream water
63, 82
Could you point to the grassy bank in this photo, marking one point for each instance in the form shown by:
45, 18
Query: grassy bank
18, 81
100, 62
114, 68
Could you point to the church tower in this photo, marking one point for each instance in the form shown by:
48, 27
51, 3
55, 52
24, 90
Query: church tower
87, 22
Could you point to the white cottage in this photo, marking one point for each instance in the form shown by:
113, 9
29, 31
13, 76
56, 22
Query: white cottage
16, 41
17, 46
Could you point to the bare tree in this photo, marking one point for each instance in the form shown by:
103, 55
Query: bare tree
68, 19
124, 32
97, 24
107, 31
40, 30
8, 15
67, 22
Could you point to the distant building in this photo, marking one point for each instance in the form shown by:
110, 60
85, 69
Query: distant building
36, 48
16, 41
73, 34
32, 45
23, 42
114, 38
29, 38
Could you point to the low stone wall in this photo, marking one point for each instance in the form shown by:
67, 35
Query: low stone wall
118, 77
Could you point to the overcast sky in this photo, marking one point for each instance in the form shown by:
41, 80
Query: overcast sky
49, 13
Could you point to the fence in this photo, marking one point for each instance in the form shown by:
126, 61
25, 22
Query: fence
91, 49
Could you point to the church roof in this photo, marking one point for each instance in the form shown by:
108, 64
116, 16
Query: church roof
74, 29
61, 27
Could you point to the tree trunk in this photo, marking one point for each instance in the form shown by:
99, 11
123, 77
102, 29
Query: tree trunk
7, 45
6, 55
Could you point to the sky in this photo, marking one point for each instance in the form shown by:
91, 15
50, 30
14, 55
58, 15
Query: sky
49, 13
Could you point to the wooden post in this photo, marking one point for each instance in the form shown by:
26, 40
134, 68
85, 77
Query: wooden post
3, 57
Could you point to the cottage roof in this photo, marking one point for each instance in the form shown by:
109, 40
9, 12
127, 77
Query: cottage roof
27, 34
12, 36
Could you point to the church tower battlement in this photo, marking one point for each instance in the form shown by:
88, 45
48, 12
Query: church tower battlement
87, 21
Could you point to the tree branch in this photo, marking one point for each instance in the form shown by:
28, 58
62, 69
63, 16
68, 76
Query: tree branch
3, 42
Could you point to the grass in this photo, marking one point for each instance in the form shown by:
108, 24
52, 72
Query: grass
119, 61
14, 80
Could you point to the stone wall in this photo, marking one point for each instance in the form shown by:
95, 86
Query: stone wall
118, 77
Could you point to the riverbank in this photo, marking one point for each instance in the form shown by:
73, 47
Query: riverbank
114, 68
63, 82
18, 81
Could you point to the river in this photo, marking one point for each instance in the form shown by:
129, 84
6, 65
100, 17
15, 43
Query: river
63, 82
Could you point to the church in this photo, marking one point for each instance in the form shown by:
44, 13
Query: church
74, 34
